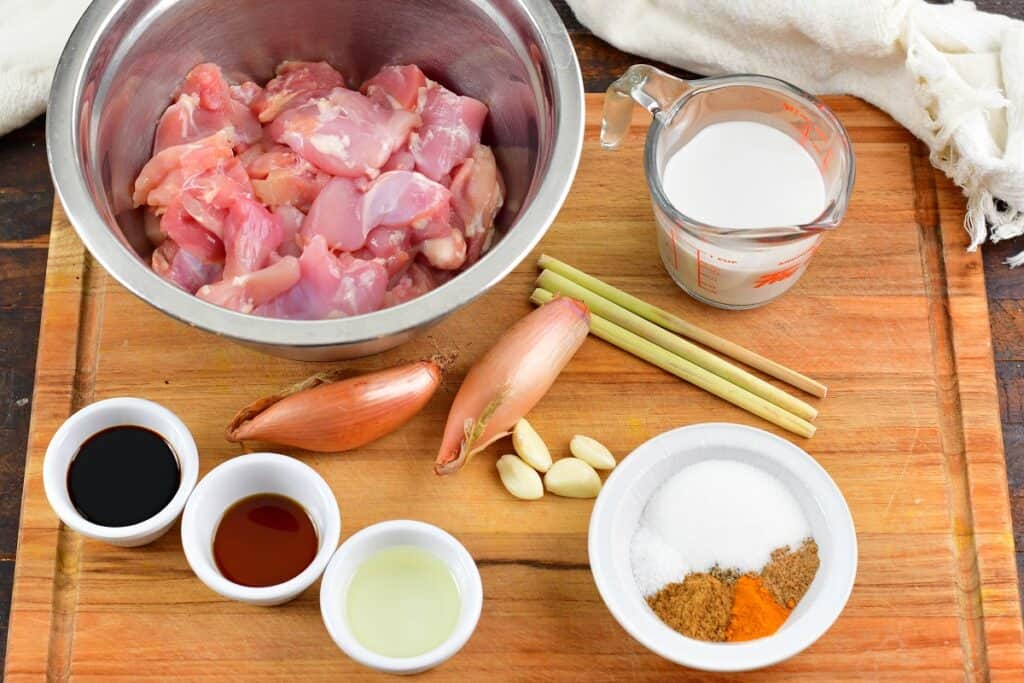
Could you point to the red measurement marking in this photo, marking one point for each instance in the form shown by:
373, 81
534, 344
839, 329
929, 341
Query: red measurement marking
698, 268
777, 276
675, 249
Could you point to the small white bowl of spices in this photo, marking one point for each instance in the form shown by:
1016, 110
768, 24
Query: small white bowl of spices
722, 547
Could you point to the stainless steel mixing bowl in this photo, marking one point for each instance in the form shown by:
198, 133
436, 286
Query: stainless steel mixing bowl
126, 58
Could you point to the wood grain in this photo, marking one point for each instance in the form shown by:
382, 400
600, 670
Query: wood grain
910, 432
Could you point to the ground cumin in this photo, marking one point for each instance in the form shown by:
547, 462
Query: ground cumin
698, 606
789, 574
755, 614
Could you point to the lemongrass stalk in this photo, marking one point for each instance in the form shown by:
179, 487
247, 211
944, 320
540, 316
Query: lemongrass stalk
684, 369
622, 317
687, 329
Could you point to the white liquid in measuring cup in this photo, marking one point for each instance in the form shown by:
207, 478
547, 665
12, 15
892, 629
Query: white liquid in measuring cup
740, 174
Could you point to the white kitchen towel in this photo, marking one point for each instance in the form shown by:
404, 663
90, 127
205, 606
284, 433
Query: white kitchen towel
954, 76
32, 35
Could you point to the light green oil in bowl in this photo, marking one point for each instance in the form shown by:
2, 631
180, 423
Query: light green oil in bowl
402, 602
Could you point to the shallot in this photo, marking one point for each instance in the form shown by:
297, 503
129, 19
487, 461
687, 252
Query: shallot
510, 379
329, 414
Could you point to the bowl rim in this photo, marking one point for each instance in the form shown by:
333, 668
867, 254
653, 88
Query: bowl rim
63, 140
334, 620
726, 657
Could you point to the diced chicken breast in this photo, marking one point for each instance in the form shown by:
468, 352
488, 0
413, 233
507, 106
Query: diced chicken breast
185, 270
451, 129
478, 193
206, 105
245, 292
344, 133
295, 82
397, 86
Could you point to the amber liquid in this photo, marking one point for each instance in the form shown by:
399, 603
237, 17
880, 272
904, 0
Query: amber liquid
264, 540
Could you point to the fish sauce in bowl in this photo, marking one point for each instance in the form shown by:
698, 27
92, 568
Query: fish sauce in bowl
264, 540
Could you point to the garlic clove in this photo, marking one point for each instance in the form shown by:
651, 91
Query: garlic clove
572, 478
530, 447
592, 452
521, 480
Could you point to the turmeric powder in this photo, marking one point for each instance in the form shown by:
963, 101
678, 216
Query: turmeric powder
755, 614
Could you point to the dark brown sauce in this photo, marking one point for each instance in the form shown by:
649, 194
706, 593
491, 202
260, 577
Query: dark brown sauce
264, 540
122, 476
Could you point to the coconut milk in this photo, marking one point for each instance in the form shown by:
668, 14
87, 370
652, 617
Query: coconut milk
740, 175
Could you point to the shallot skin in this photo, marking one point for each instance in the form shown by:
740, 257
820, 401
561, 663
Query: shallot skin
345, 414
510, 379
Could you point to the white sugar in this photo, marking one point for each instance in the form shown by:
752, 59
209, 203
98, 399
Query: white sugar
715, 512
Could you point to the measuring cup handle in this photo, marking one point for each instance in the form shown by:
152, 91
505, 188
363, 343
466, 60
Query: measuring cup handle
642, 83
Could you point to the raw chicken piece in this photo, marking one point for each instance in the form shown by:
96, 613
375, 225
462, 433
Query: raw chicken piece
345, 133
281, 177
330, 287
246, 93
291, 222
438, 225
251, 235
151, 226
416, 281
399, 198
208, 196
176, 265
295, 79
205, 106
245, 292
161, 178
447, 252
401, 160
336, 215
391, 247
478, 193
451, 129
345, 217
397, 86
179, 226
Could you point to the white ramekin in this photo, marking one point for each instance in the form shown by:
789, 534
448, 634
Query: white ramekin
625, 494
95, 418
249, 475
363, 544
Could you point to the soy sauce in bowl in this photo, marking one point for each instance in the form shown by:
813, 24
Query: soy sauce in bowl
123, 475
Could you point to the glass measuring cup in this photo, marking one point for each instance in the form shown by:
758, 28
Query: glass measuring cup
729, 267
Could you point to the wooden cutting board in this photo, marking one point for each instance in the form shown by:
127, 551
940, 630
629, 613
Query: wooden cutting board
891, 315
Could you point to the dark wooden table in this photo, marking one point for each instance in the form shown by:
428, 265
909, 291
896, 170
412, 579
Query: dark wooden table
26, 198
